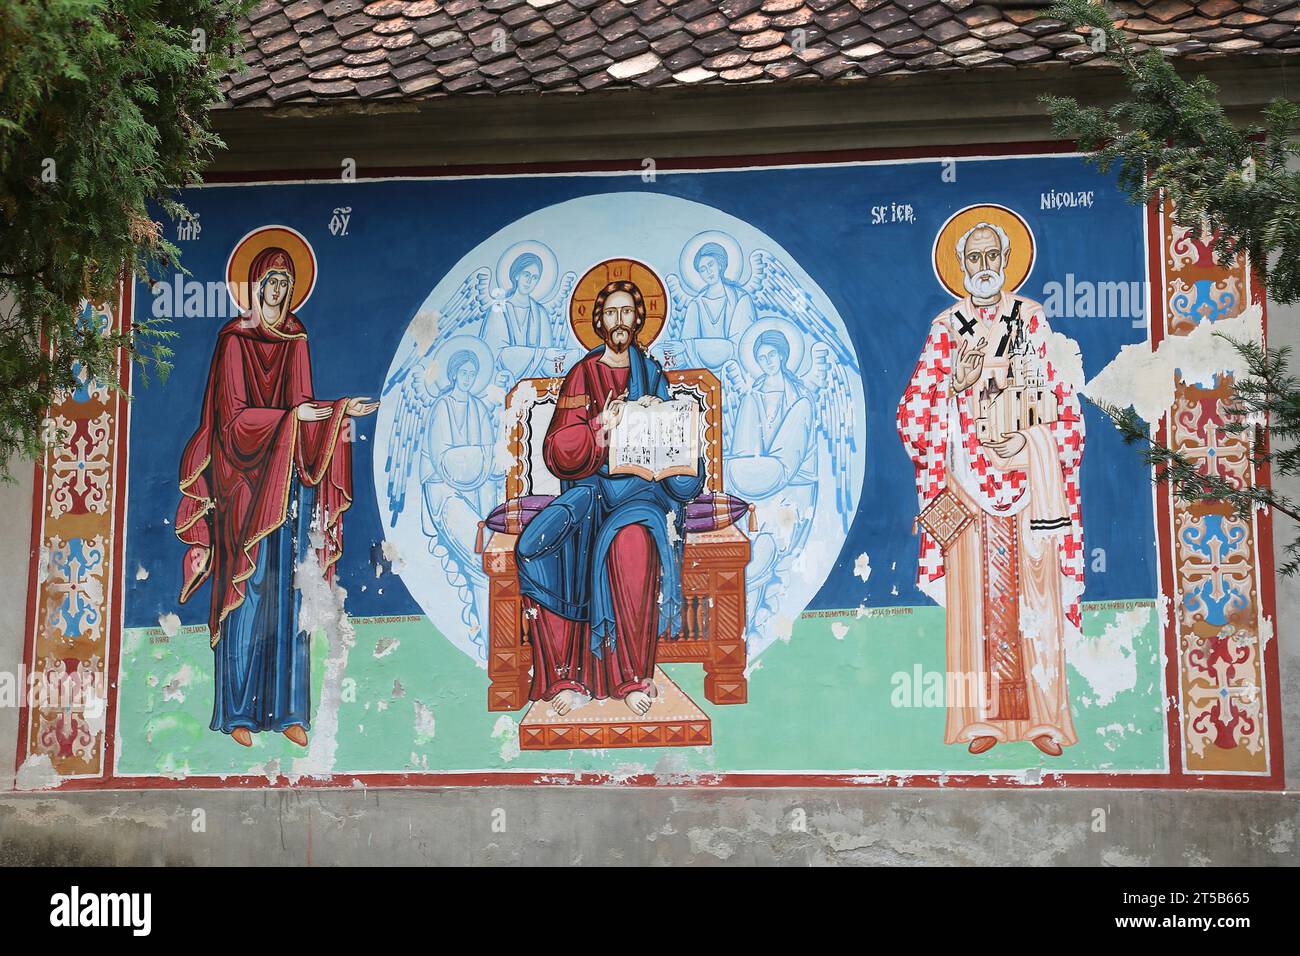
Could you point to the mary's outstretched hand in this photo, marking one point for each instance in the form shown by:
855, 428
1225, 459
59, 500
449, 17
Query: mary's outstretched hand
358, 407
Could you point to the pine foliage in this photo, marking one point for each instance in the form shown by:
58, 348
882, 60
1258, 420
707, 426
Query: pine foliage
1170, 138
104, 109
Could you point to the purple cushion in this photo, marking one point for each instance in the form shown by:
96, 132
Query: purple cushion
513, 516
710, 512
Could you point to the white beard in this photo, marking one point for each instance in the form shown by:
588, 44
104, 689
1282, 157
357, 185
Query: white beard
984, 285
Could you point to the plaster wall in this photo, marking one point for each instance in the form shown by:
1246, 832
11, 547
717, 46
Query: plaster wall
612, 825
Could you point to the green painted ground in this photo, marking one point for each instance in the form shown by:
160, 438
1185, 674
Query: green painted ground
816, 703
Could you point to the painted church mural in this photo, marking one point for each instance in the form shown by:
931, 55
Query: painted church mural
996, 436
764, 474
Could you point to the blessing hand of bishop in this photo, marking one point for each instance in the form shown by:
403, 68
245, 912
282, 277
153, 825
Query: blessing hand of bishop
968, 364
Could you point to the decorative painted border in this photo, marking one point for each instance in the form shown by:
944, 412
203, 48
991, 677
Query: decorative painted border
1222, 626
74, 579
1196, 760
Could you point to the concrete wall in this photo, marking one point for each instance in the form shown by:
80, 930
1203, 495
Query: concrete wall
15, 557
1284, 330
560, 826
622, 826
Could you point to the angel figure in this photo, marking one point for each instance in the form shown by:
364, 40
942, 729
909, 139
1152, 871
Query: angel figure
787, 404
531, 336
525, 325
715, 317
443, 423
782, 371
462, 314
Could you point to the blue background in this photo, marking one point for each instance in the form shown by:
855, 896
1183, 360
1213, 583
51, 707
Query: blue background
405, 235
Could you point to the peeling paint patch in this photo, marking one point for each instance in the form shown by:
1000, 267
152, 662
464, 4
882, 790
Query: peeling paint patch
322, 609
862, 566
1108, 662
783, 627
1266, 631
170, 623
1144, 380
1066, 360
507, 731
424, 723
37, 773
670, 518
174, 688
424, 328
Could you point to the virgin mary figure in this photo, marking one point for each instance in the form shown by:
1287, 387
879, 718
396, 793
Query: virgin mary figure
265, 481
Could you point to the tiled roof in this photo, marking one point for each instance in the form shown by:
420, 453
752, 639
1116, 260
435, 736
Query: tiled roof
314, 51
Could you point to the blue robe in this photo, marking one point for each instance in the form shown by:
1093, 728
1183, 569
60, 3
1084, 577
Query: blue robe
561, 554
262, 667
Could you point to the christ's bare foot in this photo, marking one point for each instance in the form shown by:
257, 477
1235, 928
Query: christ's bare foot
638, 701
297, 735
242, 736
565, 701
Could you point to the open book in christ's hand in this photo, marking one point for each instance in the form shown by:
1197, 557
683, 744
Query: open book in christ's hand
654, 439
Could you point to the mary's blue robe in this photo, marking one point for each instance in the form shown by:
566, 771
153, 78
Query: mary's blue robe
262, 662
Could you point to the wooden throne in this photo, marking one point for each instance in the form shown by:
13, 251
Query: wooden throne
713, 568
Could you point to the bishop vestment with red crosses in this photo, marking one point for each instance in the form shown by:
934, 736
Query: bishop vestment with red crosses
939, 427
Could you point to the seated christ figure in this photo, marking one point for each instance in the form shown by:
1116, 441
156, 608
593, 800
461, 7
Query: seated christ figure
600, 566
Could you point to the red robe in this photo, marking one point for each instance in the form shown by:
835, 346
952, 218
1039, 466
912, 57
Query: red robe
236, 470
562, 654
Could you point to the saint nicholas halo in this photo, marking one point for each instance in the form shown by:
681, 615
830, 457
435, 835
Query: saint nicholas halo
1020, 260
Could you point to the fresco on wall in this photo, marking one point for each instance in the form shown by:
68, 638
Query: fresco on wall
760, 474
995, 433
265, 481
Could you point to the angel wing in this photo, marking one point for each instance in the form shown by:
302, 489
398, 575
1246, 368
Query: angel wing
414, 409
836, 422
557, 312
776, 291
678, 299
464, 310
